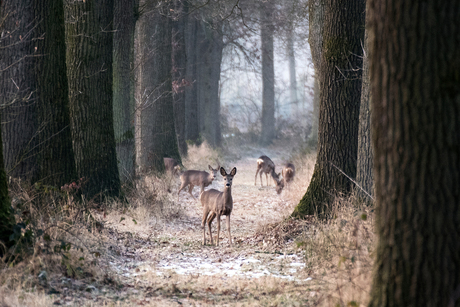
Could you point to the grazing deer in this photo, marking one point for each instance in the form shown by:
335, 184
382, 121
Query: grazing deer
216, 204
193, 178
288, 173
266, 165
171, 165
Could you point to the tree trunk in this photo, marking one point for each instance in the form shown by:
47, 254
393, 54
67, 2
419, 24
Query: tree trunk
89, 69
340, 83
210, 46
415, 79
179, 62
268, 74
156, 112
315, 38
55, 157
125, 12
192, 131
294, 103
365, 164
6, 214
17, 89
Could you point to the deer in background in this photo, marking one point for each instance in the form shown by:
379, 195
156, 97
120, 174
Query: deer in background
288, 173
266, 165
215, 204
171, 165
193, 178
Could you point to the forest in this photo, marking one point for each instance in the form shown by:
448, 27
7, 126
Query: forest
230, 153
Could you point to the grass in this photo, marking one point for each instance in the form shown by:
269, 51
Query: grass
110, 255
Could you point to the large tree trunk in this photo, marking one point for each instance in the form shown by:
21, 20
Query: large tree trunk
416, 139
38, 140
340, 83
17, 89
315, 39
364, 173
268, 74
210, 46
192, 130
179, 62
155, 112
6, 214
89, 69
125, 12
55, 157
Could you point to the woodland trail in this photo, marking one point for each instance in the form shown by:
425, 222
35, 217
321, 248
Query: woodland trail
166, 264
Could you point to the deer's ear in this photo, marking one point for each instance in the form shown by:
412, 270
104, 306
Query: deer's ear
223, 172
210, 168
233, 172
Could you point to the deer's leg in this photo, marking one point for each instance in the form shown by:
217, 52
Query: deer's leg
228, 229
218, 229
261, 184
266, 178
203, 225
182, 186
255, 179
190, 189
210, 219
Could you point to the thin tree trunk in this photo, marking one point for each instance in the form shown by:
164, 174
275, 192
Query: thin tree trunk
89, 70
365, 164
192, 131
415, 120
125, 12
294, 103
179, 62
340, 81
268, 74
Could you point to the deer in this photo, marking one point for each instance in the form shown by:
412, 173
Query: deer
171, 165
266, 165
215, 204
288, 173
193, 178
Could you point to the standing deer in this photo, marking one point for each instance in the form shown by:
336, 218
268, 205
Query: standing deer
171, 165
193, 178
266, 165
288, 173
216, 204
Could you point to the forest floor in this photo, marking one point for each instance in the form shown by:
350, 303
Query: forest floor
160, 261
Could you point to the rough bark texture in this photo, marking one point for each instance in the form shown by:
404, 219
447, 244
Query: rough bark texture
6, 214
89, 70
55, 157
365, 164
124, 20
415, 73
155, 113
340, 84
315, 39
210, 46
179, 62
268, 74
17, 89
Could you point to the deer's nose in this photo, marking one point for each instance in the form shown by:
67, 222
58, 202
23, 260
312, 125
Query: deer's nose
228, 184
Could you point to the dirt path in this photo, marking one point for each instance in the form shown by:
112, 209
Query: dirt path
166, 263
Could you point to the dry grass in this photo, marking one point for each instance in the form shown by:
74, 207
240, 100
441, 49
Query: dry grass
117, 249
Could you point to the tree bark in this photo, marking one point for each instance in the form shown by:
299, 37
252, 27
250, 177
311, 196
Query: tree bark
415, 79
210, 46
89, 70
7, 220
315, 39
268, 74
340, 83
294, 107
179, 79
365, 163
125, 16
17, 89
155, 114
